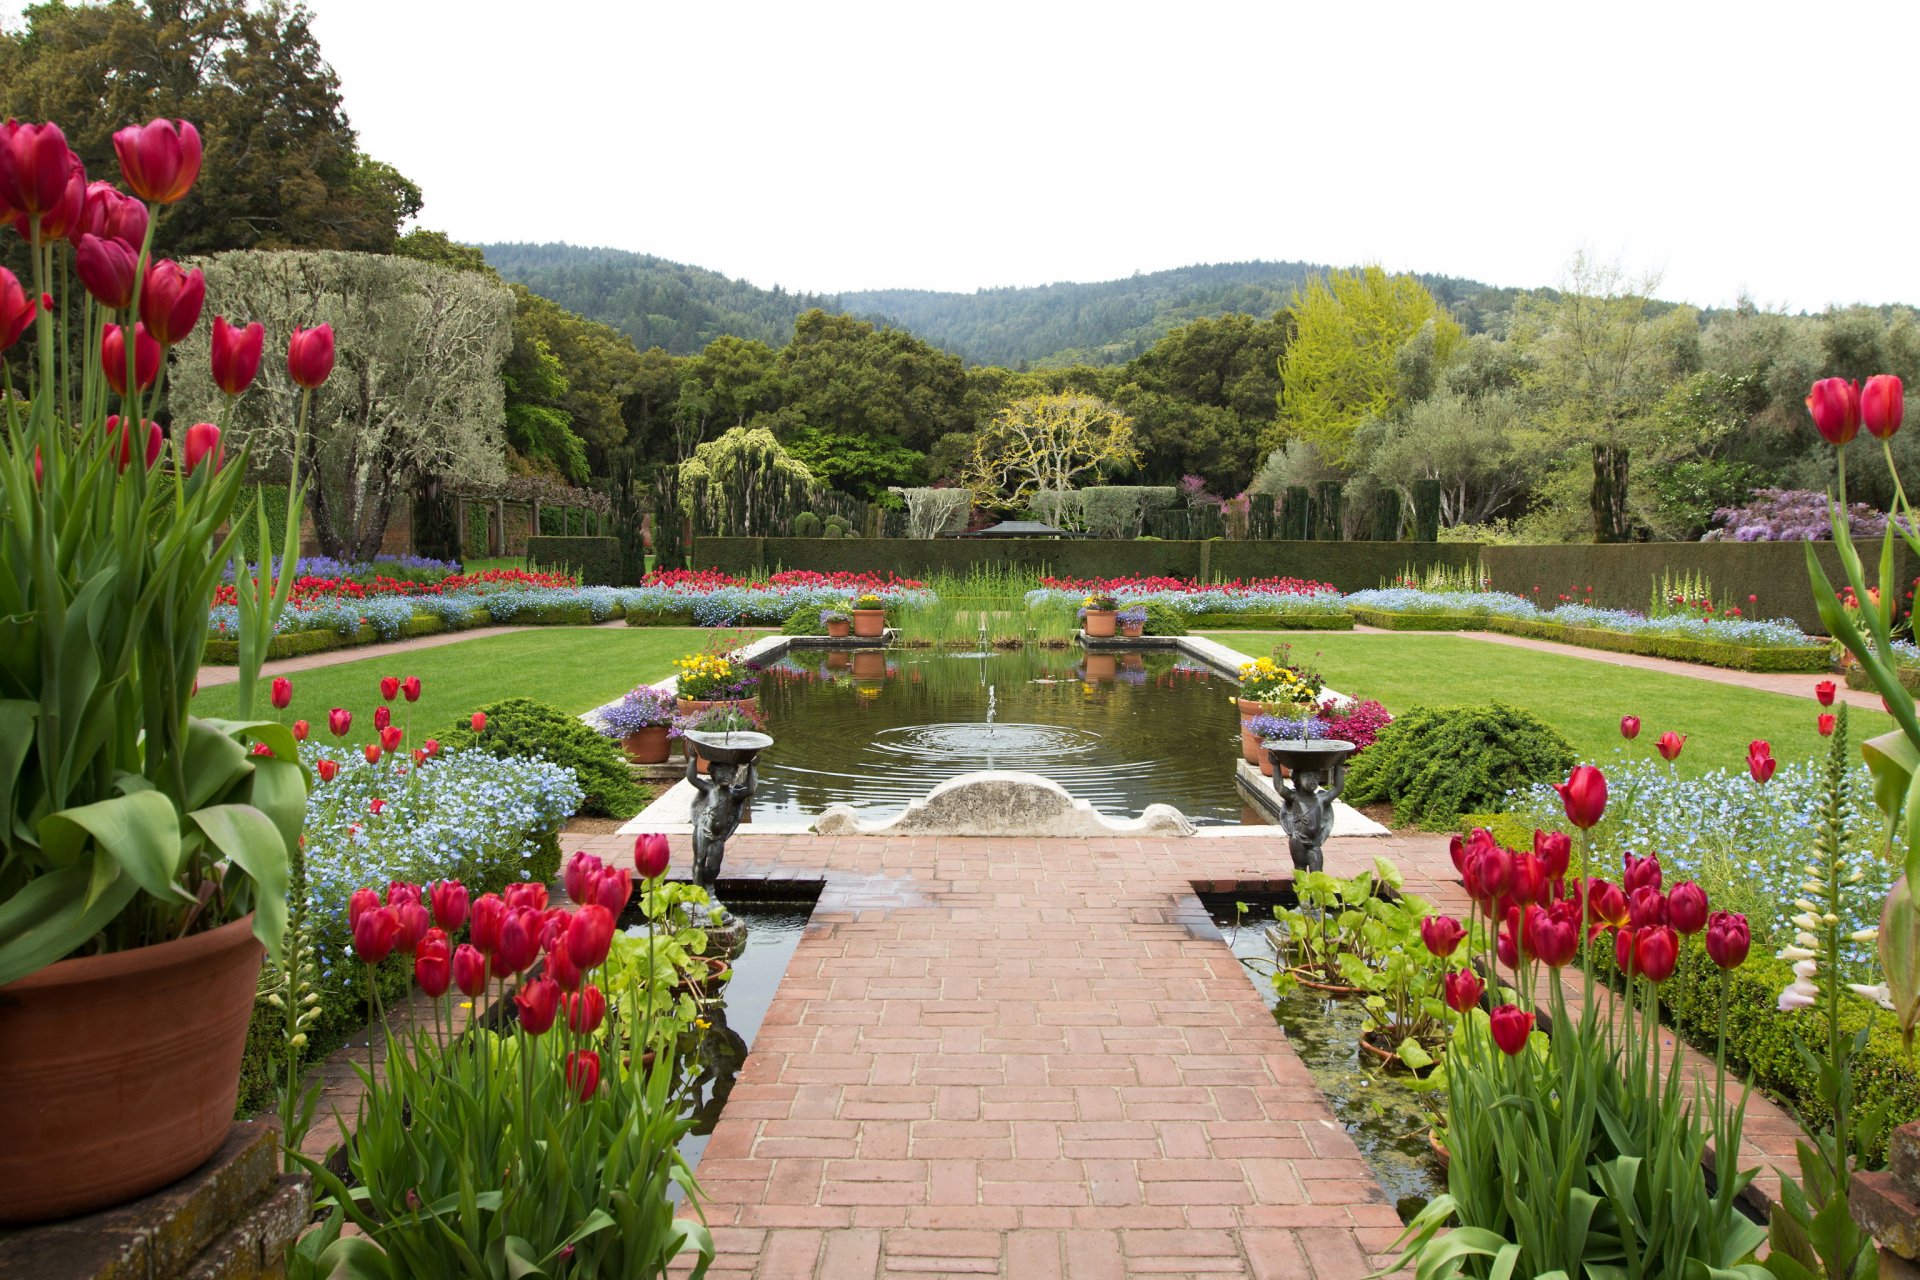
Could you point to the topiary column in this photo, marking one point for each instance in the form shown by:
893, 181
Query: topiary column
1386, 516
1295, 507
1609, 496
1426, 511
1330, 525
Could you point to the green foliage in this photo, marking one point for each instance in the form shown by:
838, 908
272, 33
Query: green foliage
805, 621
1813, 657
526, 728
1426, 510
806, 525
743, 482
597, 561
1435, 763
1164, 620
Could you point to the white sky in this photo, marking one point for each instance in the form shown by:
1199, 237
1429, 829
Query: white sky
1759, 146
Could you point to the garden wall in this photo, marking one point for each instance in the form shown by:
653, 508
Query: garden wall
1350, 566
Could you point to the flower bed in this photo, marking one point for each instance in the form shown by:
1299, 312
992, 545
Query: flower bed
706, 598
1266, 603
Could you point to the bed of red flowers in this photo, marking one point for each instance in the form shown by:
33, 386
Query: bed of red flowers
1142, 584
840, 580
307, 589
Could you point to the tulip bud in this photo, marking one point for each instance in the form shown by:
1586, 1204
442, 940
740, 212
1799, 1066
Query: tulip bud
537, 1002
581, 873
410, 688
1657, 952
1670, 744
390, 687
586, 1010
1463, 990
1728, 939
489, 917
1646, 908
282, 693
160, 159
449, 899
1825, 691
390, 739
202, 443
433, 963
413, 925
1882, 401
339, 721
107, 270
1826, 723
310, 356
1761, 764
1629, 727
122, 436
614, 889
374, 934
519, 942
479, 722
1506, 948
236, 355
372, 752
1554, 849
1584, 794
1548, 938
300, 730
651, 855
113, 357
16, 309
1640, 873
170, 301
560, 966
112, 216
1687, 907
432, 746
1835, 406
1442, 935
583, 1073
590, 936
326, 769
382, 717
376, 805
359, 902
35, 163
1511, 1026
469, 970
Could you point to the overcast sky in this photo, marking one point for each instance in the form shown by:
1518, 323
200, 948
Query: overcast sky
1758, 147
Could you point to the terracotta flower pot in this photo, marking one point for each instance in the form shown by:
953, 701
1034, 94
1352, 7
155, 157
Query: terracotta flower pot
648, 746
838, 630
869, 663
1101, 666
1266, 765
1134, 630
119, 1073
1100, 623
869, 624
688, 706
1250, 745
839, 659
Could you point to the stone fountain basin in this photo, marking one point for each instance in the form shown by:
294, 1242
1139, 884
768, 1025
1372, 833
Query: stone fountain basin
729, 748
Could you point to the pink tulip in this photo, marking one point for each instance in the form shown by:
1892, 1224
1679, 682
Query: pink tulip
1882, 401
160, 160
203, 443
16, 309
282, 693
170, 301
310, 356
651, 855
113, 357
1835, 406
1584, 794
449, 899
236, 355
1512, 1025
107, 269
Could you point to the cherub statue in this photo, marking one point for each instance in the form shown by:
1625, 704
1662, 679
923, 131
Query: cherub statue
717, 810
1306, 808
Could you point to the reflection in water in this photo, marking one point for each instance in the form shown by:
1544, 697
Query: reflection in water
1121, 731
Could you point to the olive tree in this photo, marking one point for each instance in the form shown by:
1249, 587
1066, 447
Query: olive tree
416, 388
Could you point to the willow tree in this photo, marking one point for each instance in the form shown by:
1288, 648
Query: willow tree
1048, 443
415, 392
744, 484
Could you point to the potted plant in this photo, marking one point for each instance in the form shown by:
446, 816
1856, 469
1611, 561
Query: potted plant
145, 851
1097, 616
869, 617
717, 718
642, 721
837, 622
1267, 727
1132, 620
707, 678
1325, 942
1269, 687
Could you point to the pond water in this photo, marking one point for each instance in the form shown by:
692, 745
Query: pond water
879, 728
1388, 1120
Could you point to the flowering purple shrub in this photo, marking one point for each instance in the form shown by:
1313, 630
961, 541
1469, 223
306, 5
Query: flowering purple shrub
1790, 515
1358, 721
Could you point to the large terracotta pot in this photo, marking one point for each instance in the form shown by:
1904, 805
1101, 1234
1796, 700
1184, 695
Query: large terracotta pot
869, 624
838, 630
648, 746
119, 1073
689, 706
838, 658
1249, 745
1100, 623
869, 663
1101, 666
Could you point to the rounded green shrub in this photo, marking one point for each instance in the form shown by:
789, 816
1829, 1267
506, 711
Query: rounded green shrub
526, 728
1164, 620
806, 525
830, 532
839, 527
804, 621
1435, 763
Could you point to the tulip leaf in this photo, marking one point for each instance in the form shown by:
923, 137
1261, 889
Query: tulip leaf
214, 758
17, 721
52, 914
139, 832
252, 842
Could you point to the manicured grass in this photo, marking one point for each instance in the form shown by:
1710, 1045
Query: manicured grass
574, 668
1581, 698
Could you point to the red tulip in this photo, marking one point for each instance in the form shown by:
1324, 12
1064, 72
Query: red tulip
372, 752
590, 936
433, 963
107, 269
160, 159
390, 687
112, 216
1835, 406
579, 876
1584, 794
1506, 948
359, 902
16, 309
113, 357
203, 442
1670, 744
150, 452
310, 355
1640, 873
236, 354
1629, 727
651, 855
35, 164
1456, 849
1881, 403
1606, 903
1728, 939
469, 970
1657, 953
1555, 849
1687, 907
382, 717
449, 899
1511, 1027
614, 889
413, 925
1442, 935
560, 965
553, 926
538, 1001
1825, 691
374, 934
399, 891
1463, 990
170, 301
479, 722
326, 769
583, 1072
528, 895
1549, 938
431, 746
66, 217
390, 739
300, 730
586, 1010
376, 806
410, 688
1826, 723
1488, 874
339, 721
1761, 764
519, 942
282, 693
1646, 908
489, 915
1529, 880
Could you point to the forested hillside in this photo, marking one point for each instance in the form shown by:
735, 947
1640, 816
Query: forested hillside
682, 308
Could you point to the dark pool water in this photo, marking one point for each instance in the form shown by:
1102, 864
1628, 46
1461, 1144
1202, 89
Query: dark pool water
881, 728
1387, 1119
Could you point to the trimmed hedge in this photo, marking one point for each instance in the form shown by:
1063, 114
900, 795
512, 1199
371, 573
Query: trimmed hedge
1165, 620
596, 560
1388, 620
293, 644
1270, 622
1707, 652
660, 618
1435, 763
1909, 677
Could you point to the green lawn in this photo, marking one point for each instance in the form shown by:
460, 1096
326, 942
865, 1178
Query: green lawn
1581, 698
574, 668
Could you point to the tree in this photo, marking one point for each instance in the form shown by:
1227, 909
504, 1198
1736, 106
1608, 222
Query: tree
1346, 330
743, 484
599, 366
1046, 443
282, 165
539, 428
1203, 397
416, 390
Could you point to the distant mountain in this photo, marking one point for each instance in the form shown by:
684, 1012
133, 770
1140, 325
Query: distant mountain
682, 308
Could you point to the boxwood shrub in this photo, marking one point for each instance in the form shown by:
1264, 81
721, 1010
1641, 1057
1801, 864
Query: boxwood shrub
1165, 620
1435, 763
1304, 620
525, 729
1388, 620
1707, 652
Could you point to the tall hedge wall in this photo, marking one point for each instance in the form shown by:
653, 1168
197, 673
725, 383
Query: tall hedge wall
596, 560
1622, 575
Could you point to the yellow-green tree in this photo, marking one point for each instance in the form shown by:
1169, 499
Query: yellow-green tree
1339, 369
1047, 442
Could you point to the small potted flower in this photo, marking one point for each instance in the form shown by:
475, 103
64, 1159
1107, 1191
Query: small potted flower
869, 617
717, 718
642, 721
1132, 620
1098, 615
707, 678
838, 623
1267, 728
